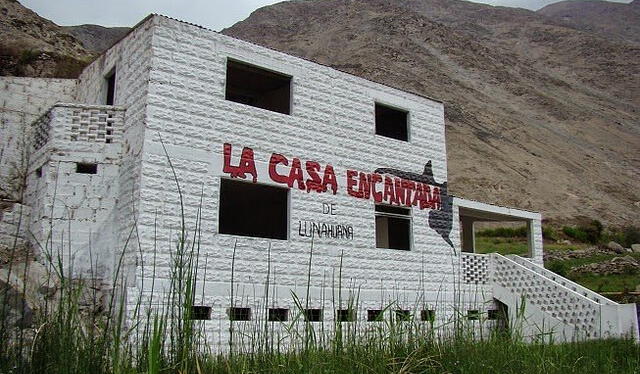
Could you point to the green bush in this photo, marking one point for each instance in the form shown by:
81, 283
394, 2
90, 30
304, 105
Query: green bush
559, 268
591, 233
630, 235
549, 233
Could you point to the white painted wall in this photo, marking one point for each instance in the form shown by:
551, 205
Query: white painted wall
22, 101
332, 121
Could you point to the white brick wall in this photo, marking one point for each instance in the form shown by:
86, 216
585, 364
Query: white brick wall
131, 59
22, 101
332, 121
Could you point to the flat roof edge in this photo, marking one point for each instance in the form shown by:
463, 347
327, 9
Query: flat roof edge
496, 209
152, 15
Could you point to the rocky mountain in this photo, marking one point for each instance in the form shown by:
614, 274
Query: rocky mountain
540, 114
33, 46
36, 47
612, 20
96, 38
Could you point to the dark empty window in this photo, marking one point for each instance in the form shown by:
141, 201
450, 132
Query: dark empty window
111, 87
428, 315
391, 122
250, 209
473, 315
403, 315
85, 168
346, 315
240, 314
278, 314
393, 227
313, 315
255, 86
199, 312
375, 315
39, 172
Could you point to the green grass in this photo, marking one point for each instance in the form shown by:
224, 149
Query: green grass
492, 356
504, 246
598, 283
608, 283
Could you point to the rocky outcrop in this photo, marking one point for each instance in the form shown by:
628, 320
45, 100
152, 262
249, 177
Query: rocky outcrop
615, 266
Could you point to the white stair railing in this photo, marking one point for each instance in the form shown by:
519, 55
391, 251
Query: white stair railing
558, 302
562, 280
575, 307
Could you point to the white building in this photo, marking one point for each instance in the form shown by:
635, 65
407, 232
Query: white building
272, 152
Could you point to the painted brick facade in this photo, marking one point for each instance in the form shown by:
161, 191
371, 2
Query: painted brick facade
173, 125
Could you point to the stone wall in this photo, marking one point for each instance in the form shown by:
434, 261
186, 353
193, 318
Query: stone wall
13, 227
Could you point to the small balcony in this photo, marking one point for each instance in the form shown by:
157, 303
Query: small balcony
78, 123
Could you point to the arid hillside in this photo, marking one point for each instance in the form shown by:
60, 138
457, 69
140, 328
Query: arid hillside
32, 46
614, 20
540, 114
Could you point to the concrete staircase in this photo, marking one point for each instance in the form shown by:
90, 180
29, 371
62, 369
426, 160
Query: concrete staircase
544, 305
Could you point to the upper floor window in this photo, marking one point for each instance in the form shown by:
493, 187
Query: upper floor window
258, 87
110, 81
392, 122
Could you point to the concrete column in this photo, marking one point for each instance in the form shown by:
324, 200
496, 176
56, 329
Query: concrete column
468, 234
530, 238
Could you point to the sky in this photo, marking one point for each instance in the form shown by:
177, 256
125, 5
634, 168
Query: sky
214, 14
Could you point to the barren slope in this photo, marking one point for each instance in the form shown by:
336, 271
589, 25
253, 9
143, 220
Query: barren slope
36, 47
614, 20
540, 115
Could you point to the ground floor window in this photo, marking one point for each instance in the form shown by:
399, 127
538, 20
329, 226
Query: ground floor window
251, 209
393, 227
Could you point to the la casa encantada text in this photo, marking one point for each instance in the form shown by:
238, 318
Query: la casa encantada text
308, 175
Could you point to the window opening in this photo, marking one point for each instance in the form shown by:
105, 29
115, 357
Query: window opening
473, 315
375, 315
403, 315
278, 314
393, 227
392, 122
258, 87
313, 315
86, 168
428, 315
346, 315
239, 314
200, 312
111, 87
256, 210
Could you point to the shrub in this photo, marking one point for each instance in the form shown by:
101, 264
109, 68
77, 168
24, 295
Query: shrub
575, 233
559, 268
591, 233
549, 233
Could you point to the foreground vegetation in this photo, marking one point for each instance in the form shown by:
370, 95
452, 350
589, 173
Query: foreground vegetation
67, 343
